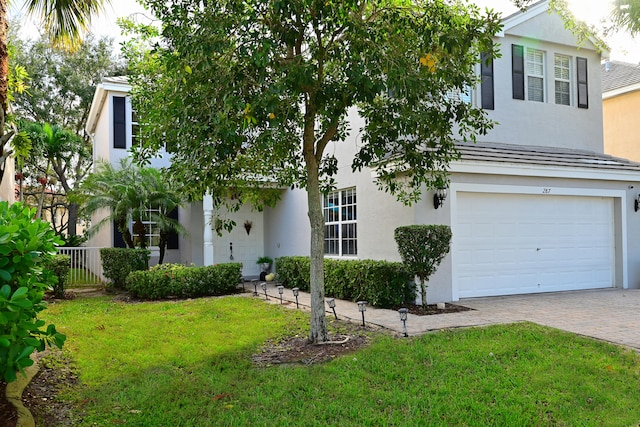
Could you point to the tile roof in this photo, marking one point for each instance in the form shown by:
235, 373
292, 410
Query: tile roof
116, 80
543, 156
619, 75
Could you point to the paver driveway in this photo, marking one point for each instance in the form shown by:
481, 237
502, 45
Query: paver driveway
609, 314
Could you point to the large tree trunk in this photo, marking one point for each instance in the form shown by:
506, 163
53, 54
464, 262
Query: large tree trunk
318, 326
318, 331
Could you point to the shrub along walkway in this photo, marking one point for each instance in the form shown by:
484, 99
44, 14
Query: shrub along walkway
607, 314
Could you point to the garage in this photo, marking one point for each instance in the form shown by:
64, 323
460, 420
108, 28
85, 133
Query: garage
526, 243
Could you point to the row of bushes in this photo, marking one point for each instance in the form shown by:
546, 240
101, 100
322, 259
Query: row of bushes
381, 283
177, 280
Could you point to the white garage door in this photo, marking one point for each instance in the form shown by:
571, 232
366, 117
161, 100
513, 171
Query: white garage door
513, 244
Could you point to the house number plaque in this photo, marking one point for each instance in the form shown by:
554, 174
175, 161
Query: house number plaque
546, 191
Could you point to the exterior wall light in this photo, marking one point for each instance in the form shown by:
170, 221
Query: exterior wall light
332, 305
403, 317
362, 307
264, 288
296, 292
636, 204
280, 291
439, 197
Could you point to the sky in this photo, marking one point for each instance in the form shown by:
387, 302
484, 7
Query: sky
622, 46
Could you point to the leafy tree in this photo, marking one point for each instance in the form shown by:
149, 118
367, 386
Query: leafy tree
64, 22
422, 249
51, 146
626, 15
244, 89
60, 92
128, 193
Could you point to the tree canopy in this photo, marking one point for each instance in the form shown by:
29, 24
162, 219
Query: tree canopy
626, 15
248, 91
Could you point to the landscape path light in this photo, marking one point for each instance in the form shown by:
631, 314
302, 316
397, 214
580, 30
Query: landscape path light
296, 292
332, 305
255, 287
264, 288
280, 291
403, 317
362, 307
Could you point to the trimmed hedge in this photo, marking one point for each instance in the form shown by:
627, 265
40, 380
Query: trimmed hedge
177, 280
60, 266
381, 283
117, 263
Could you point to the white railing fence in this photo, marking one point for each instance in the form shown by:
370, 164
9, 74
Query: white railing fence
86, 266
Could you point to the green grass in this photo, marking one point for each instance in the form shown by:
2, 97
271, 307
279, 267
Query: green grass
188, 363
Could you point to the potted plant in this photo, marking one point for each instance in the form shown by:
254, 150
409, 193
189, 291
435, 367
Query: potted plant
265, 262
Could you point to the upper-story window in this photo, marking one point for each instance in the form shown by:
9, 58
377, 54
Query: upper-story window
535, 75
135, 129
528, 71
562, 75
340, 230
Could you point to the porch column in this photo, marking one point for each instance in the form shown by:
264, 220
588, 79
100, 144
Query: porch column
207, 207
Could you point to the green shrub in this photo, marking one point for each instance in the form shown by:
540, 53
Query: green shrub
177, 280
117, 263
422, 248
294, 272
26, 246
60, 266
381, 283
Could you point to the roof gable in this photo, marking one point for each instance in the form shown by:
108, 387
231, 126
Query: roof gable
540, 22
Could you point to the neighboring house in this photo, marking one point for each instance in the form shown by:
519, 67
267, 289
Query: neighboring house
534, 206
620, 107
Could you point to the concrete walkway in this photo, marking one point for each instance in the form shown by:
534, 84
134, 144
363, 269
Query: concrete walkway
609, 314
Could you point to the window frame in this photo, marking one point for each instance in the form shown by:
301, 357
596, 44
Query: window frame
528, 64
568, 81
343, 219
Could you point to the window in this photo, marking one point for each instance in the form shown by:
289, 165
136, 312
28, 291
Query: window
535, 75
119, 122
562, 75
151, 229
135, 129
340, 230
458, 95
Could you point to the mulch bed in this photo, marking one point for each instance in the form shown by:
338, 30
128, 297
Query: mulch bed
431, 309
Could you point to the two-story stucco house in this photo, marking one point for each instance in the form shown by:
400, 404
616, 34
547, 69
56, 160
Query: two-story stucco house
534, 206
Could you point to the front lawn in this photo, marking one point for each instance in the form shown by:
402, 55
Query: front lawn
188, 363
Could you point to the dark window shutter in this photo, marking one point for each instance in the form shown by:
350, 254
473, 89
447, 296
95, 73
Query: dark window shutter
119, 123
583, 88
517, 71
118, 240
486, 85
172, 238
